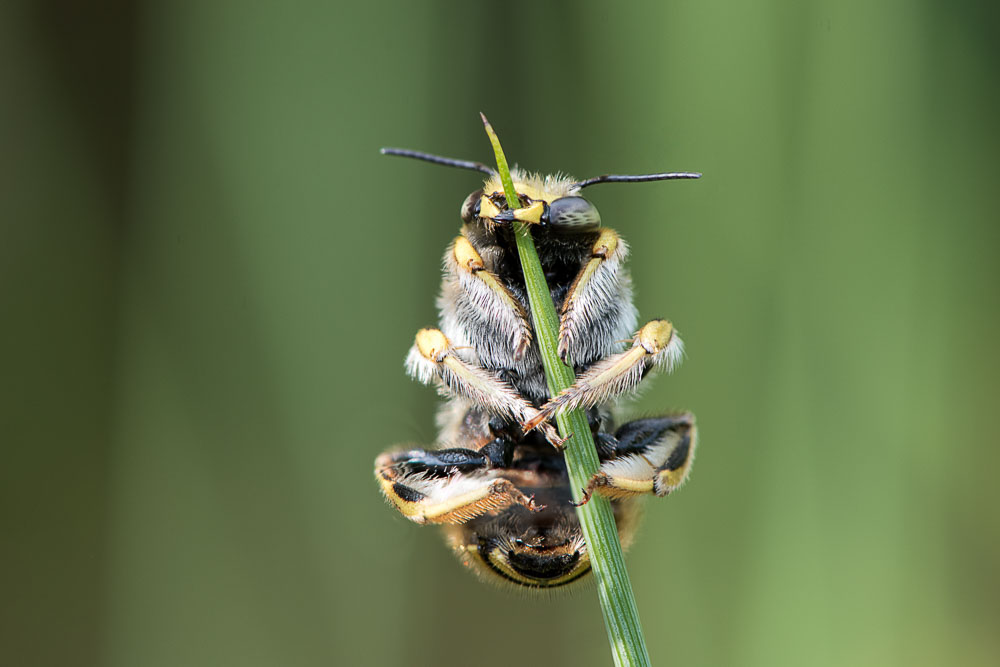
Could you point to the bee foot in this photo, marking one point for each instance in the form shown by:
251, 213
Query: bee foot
587, 493
533, 423
560, 443
533, 506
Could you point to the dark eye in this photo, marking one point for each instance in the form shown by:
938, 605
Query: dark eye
470, 207
574, 212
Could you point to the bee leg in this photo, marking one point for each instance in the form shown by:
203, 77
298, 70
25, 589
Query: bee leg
656, 345
651, 455
598, 295
488, 299
446, 485
433, 359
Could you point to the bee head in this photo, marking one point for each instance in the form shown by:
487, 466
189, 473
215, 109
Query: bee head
549, 201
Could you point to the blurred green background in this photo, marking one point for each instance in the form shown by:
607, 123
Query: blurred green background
210, 279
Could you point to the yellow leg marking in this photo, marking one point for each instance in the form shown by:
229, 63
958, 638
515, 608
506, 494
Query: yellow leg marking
603, 248
674, 477
595, 382
621, 365
655, 335
432, 344
492, 496
497, 496
617, 374
619, 487
470, 261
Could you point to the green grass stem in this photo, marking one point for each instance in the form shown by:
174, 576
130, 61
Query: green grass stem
621, 617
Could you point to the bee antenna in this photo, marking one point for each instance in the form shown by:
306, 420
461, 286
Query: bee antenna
637, 178
437, 159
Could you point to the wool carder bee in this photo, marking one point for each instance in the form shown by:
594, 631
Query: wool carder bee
496, 480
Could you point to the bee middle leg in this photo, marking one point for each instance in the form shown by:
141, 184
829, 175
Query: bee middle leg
433, 359
652, 455
655, 345
449, 485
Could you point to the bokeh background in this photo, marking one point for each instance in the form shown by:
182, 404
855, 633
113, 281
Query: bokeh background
209, 278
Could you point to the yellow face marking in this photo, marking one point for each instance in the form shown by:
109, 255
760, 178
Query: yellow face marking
487, 209
432, 344
531, 214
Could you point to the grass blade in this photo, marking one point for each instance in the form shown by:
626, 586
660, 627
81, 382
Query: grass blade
621, 617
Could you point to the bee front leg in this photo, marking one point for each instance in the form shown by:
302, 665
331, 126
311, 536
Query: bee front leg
651, 455
656, 345
446, 485
433, 359
600, 294
487, 298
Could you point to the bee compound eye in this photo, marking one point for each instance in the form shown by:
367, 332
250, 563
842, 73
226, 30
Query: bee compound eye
470, 207
575, 212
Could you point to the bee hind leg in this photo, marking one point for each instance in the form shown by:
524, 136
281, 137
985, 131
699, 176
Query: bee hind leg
652, 455
448, 485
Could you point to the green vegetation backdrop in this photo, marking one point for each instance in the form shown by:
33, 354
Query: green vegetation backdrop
210, 278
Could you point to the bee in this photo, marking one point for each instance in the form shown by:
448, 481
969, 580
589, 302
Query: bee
496, 481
